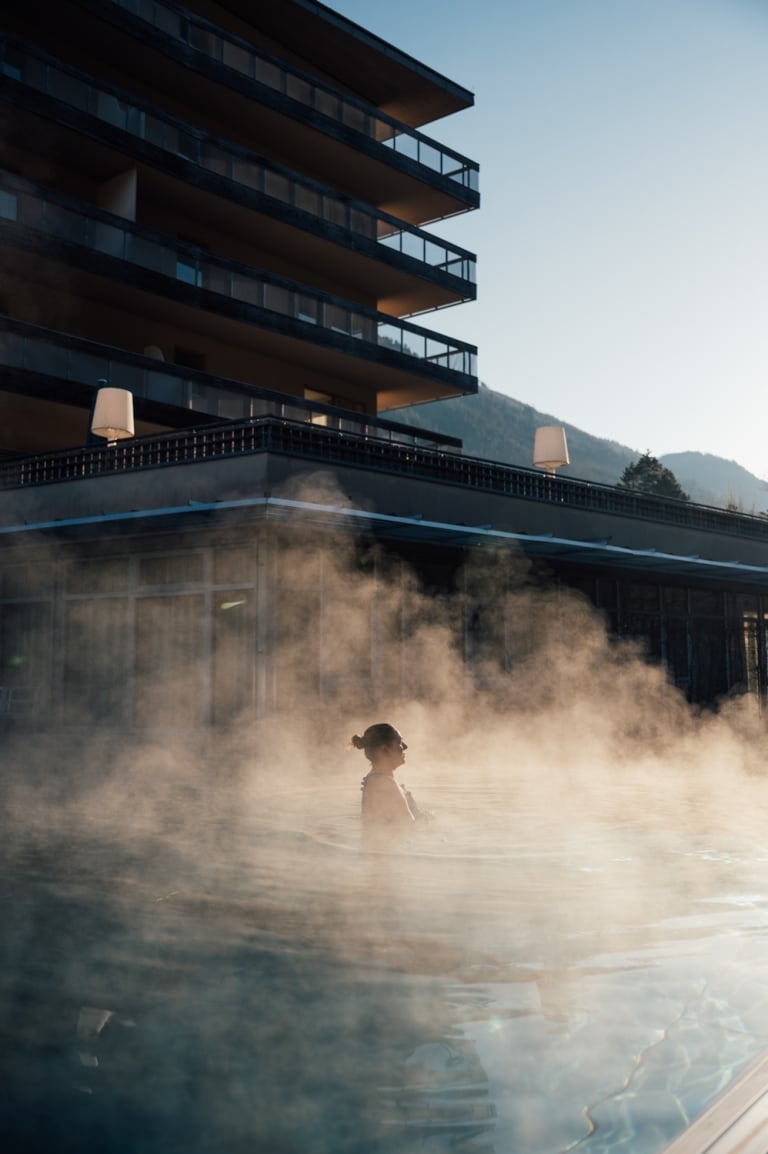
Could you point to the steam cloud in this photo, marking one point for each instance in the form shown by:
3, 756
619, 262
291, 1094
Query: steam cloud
205, 902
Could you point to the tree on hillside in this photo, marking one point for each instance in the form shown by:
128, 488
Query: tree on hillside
648, 475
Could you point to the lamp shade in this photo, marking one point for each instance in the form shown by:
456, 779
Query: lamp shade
550, 448
113, 414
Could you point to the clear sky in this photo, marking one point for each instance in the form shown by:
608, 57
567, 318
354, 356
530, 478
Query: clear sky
622, 238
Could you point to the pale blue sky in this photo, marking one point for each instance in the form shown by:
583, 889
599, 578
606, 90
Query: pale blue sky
622, 239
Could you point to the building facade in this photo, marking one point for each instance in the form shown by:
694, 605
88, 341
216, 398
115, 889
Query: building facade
233, 213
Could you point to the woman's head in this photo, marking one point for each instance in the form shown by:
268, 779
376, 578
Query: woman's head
379, 741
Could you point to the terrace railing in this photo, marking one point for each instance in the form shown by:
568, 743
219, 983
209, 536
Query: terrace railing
395, 457
117, 109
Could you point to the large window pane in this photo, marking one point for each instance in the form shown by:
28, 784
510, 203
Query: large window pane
169, 662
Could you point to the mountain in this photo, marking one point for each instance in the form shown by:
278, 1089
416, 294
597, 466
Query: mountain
499, 428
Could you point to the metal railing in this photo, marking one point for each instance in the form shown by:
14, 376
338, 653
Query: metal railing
118, 109
244, 58
395, 457
56, 216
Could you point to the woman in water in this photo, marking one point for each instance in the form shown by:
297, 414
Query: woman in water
388, 808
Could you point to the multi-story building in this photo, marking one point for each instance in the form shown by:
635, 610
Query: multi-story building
231, 212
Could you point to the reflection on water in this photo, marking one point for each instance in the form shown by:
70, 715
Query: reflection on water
501, 983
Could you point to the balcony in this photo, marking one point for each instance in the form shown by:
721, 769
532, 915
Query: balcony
55, 228
297, 119
244, 177
54, 367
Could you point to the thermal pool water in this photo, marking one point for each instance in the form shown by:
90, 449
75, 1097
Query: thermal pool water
507, 981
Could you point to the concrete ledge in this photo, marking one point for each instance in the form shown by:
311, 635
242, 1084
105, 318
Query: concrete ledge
735, 1123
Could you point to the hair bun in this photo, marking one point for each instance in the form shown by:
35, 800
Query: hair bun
358, 742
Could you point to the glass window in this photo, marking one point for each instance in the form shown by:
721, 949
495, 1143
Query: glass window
707, 602
20, 581
675, 599
233, 658
169, 681
24, 658
171, 569
96, 661
97, 575
639, 595
232, 564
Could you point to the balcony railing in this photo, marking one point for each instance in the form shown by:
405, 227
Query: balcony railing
244, 58
395, 457
121, 110
72, 360
52, 215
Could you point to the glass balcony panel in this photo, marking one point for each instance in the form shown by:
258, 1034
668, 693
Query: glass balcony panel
432, 157
45, 357
204, 41
237, 57
356, 118
363, 328
156, 131
144, 252
335, 212
106, 238
13, 63
232, 406
9, 205
298, 89
166, 389
249, 290
389, 337
110, 109
215, 159
278, 186
362, 223
435, 255
268, 73
201, 398
307, 309
171, 138
434, 350
68, 88
328, 104
88, 367
134, 121
60, 222
11, 349
167, 20
307, 199
188, 271
188, 145
406, 145
337, 319
217, 279
36, 74
412, 246
125, 376
251, 175
278, 299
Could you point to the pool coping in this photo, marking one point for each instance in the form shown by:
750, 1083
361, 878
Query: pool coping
736, 1122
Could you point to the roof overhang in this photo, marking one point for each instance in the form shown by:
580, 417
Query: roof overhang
591, 554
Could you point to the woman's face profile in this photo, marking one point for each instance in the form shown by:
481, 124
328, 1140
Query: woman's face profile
394, 752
